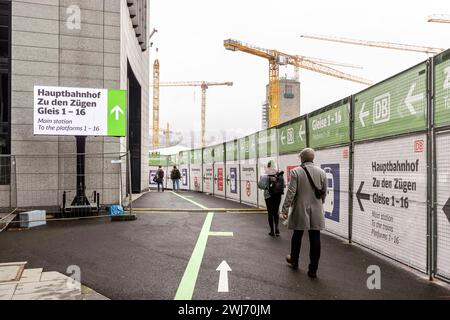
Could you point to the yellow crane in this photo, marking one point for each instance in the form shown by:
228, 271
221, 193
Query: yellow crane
378, 44
440, 18
277, 58
204, 85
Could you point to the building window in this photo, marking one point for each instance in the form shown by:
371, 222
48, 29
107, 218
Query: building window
5, 91
288, 94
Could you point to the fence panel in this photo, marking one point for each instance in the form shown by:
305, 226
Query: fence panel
267, 151
196, 170
219, 170
208, 170
183, 162
443, 204
442, 89
232, 171
248, 165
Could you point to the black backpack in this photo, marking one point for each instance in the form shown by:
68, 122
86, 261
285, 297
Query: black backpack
276, 184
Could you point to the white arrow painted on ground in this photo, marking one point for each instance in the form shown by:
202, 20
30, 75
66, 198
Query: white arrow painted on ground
224, 268
301, 133
410, 99
283, 138
117, 110
363, 114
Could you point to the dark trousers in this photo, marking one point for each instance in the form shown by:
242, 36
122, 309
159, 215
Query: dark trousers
273, 206
314, 250
162, 186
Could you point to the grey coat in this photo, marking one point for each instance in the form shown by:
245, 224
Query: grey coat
307, 211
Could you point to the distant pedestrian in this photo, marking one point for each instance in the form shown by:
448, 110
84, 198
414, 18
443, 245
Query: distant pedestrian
160, 178
305, 195
175, 176
272, 182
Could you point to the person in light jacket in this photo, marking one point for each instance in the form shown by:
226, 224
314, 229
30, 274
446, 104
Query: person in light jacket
272, 201
307, 209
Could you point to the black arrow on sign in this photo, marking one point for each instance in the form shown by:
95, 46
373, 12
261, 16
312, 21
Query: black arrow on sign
447, 209
360, 195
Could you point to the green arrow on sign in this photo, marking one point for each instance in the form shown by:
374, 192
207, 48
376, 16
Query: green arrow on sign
117, 113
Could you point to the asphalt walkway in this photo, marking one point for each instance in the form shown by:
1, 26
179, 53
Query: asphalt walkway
164, 255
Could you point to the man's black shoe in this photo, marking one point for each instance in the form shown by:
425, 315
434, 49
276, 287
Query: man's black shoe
312, 275
289, 261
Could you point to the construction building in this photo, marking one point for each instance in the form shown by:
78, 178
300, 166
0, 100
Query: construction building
71, 43
289, 102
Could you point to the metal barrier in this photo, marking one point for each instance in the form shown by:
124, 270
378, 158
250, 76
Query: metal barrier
56, 183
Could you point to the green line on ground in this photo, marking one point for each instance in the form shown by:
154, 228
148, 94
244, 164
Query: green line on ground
221, 234
187, 284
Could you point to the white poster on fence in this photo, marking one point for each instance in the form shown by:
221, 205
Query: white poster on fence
219, 179
335, 162
184, 182
249, 188
390, 200
208, 174
443, 204
196, 175
232, 181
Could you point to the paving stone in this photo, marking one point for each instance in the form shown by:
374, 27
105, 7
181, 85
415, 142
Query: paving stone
7, 291
31, 275
52, 275
10, 272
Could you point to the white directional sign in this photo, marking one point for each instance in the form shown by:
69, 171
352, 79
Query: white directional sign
65, 111
390, 200
223, 268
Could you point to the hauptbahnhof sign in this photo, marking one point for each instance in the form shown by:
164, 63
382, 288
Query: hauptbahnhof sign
62, 111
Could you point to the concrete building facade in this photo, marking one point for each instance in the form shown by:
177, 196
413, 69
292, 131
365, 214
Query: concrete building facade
74, 43
289, 102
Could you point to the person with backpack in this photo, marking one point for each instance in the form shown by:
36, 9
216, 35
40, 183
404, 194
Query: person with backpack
305, 196
160, 178
175, 176
272, 182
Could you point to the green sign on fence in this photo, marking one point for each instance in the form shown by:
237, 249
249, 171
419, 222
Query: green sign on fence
156, 159
196, 156
208, 155
247, 147
442, 89
232, 150
292, 137
219, 153
394, 106
330, 126
183, 157
267, 143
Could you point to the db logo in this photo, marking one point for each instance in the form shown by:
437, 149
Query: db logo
248, 189
345, 154
419, 146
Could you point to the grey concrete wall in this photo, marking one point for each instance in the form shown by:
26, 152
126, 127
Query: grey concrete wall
289, 108
46, 52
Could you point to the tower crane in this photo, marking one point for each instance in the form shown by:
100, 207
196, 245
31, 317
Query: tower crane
204, 85
277, 58
379, 44
440, 18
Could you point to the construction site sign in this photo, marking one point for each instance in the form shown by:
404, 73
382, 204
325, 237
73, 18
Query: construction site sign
395, 106
331, 126
219, 153
63, 111
292, 137
442, 89
232, 150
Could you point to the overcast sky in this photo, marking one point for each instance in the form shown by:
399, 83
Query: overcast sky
190, 47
